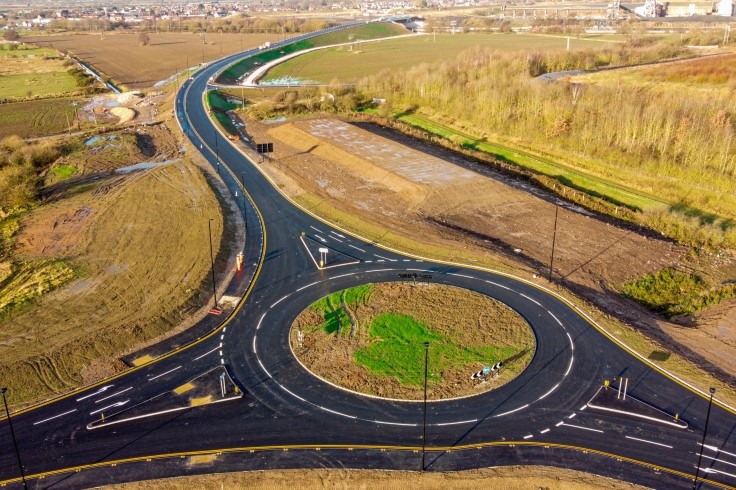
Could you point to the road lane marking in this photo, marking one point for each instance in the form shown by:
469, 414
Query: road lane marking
104, 388
54, 417
460, 275
572, 345
336, 239
323, 240
118, 404
553, 316
529, 436
259, 321
512, 411
279, 301
254, 345
222, 336
559, 424
356, 248
206, 353
337, 413
717, 472
114, 394
569, 367
305, 287
648, 442
571, 416
531, 299
581, 427
714, 448
385, 258
544, 431
455, 423
719, 460
498, 285
550, 391
163, 374
336, 233
316, 229
394, 423
583, 407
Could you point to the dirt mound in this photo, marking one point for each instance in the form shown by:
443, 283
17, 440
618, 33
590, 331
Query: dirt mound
123, 113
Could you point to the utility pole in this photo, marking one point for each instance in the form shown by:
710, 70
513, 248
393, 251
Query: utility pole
12, 433
424, 422
212, 259
245, 211
554, 239
702, 444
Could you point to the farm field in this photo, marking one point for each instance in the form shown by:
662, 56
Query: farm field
33, 72
36, 118
370, 31
373, 334
349, 64
121, 57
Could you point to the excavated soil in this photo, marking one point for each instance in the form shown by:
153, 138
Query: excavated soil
469, 319
400, 183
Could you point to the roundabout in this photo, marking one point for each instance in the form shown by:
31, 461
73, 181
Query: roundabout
370, 339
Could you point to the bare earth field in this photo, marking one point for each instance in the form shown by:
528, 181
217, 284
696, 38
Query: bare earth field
468, 319
121, 57
119, 232
36, 118
509, 478
367, 172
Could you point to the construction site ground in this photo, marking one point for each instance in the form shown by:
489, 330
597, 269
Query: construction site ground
138, 242
396, 183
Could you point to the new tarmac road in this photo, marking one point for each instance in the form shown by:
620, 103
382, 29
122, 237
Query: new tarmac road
288, 418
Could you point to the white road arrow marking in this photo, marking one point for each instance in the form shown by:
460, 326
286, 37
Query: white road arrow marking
101, 390
118, 404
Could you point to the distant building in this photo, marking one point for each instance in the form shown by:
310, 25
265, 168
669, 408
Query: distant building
726, 8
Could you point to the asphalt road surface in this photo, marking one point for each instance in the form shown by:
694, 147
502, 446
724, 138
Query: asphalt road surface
288, 418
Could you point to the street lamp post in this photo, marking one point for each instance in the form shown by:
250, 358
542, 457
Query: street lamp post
12, 433
212, 259
217, 153
554, 239
424, 422
702, 444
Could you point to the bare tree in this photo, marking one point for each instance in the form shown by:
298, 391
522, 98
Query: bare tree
144, 39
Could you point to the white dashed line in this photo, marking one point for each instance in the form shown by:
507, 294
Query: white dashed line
531, 299
711, 470
220, 353
559, 424
498, 285
114, 394
336, 233
308, 285
254, 345
368, 261
572, 416
118, 404
316, 229
323, 240
648, 442
164, 374
356, 248
583, 407
385, 258
54, 417
529, 436
336, 239
264, 369
279, 301
544, 431
572, 345
337, 413
407, 260
222, 336
460, 275
222, 361
553, 316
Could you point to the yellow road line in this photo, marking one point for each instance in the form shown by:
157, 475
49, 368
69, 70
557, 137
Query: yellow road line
348, 447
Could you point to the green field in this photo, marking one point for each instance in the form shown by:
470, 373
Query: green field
364, 32
398, 350
29, 84
345, 65
219, 105
35, 118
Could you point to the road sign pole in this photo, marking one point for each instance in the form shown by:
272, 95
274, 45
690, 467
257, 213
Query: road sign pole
212, 259
424, 423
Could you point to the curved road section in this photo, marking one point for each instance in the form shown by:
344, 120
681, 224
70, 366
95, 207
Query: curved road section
288, 418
